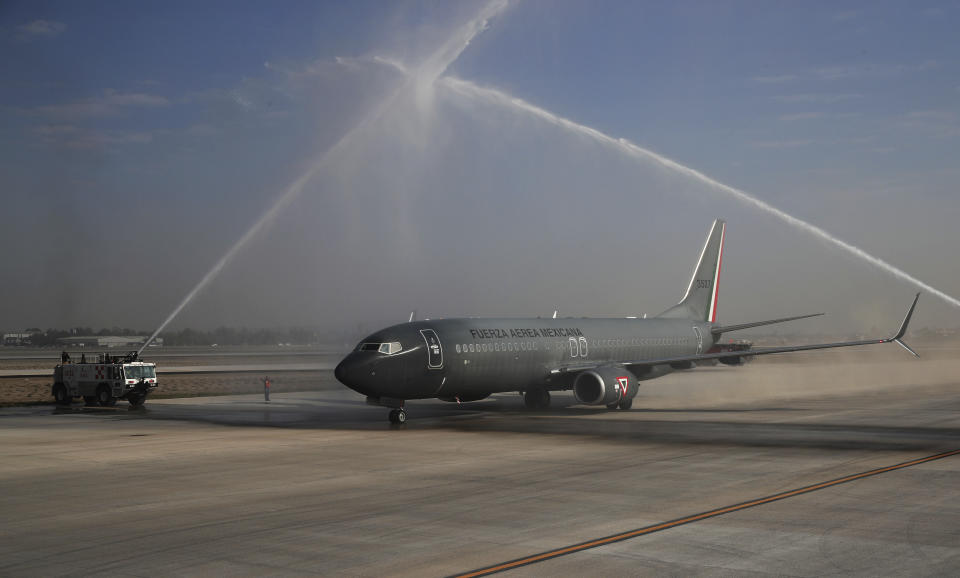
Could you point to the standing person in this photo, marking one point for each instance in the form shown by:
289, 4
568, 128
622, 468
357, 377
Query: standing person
266, 389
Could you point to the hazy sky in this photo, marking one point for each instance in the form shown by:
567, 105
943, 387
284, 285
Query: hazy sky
140, 141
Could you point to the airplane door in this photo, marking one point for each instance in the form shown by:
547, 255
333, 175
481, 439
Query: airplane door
434, 349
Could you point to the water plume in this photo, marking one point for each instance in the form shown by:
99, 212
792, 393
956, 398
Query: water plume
496, 97
426, 74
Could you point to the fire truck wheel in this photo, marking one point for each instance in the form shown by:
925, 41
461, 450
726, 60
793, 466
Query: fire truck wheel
60, 395
104, 397
90, 400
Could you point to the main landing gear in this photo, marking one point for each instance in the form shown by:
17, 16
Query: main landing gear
398, 416
622, 404
536, 398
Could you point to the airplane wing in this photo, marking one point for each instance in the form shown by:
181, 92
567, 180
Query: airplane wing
639, 366
718, 329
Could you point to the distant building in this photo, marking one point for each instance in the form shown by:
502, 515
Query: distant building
79, 341
16, 338
107, 341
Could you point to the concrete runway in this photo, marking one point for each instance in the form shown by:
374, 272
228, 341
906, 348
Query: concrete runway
319, 483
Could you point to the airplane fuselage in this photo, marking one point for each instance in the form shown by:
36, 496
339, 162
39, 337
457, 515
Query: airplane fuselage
471, 358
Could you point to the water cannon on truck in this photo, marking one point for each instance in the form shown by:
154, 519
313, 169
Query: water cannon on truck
105, 380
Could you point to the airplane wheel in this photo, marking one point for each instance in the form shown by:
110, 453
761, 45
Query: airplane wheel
60, 395
613, 405
529, 400
626, 403
536, 398
545, 400
398, 416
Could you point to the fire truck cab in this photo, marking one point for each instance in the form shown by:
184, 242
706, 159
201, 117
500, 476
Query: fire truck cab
105, 380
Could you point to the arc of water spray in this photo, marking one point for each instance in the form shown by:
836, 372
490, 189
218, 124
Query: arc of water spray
470, 90
432, 68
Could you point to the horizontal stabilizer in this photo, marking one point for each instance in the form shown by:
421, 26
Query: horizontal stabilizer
718, 329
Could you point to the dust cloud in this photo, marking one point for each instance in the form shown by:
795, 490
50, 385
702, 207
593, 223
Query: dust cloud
816, 375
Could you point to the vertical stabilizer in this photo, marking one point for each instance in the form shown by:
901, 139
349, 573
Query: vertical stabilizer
700, 300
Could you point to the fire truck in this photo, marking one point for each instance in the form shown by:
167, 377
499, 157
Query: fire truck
105, 380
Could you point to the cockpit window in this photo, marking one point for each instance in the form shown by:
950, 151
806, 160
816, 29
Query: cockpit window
388, 348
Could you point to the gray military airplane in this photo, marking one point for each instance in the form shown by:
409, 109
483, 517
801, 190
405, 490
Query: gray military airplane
601, 359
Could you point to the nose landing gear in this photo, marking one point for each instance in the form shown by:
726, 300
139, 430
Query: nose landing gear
398, 416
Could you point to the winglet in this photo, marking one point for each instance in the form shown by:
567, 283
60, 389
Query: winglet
906, 320
903, 328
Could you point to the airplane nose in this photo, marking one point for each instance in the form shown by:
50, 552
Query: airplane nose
355, 373
342, 372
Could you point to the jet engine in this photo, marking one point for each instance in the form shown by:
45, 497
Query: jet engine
605, 385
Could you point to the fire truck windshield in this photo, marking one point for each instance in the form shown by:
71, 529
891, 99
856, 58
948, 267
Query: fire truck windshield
139, 371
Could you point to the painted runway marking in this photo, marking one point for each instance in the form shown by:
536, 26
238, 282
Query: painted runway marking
694, 518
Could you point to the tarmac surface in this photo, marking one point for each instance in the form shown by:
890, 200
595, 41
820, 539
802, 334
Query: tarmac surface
319, 483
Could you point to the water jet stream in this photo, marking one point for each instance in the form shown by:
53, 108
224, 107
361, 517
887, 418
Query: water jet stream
468, 89
432, 68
